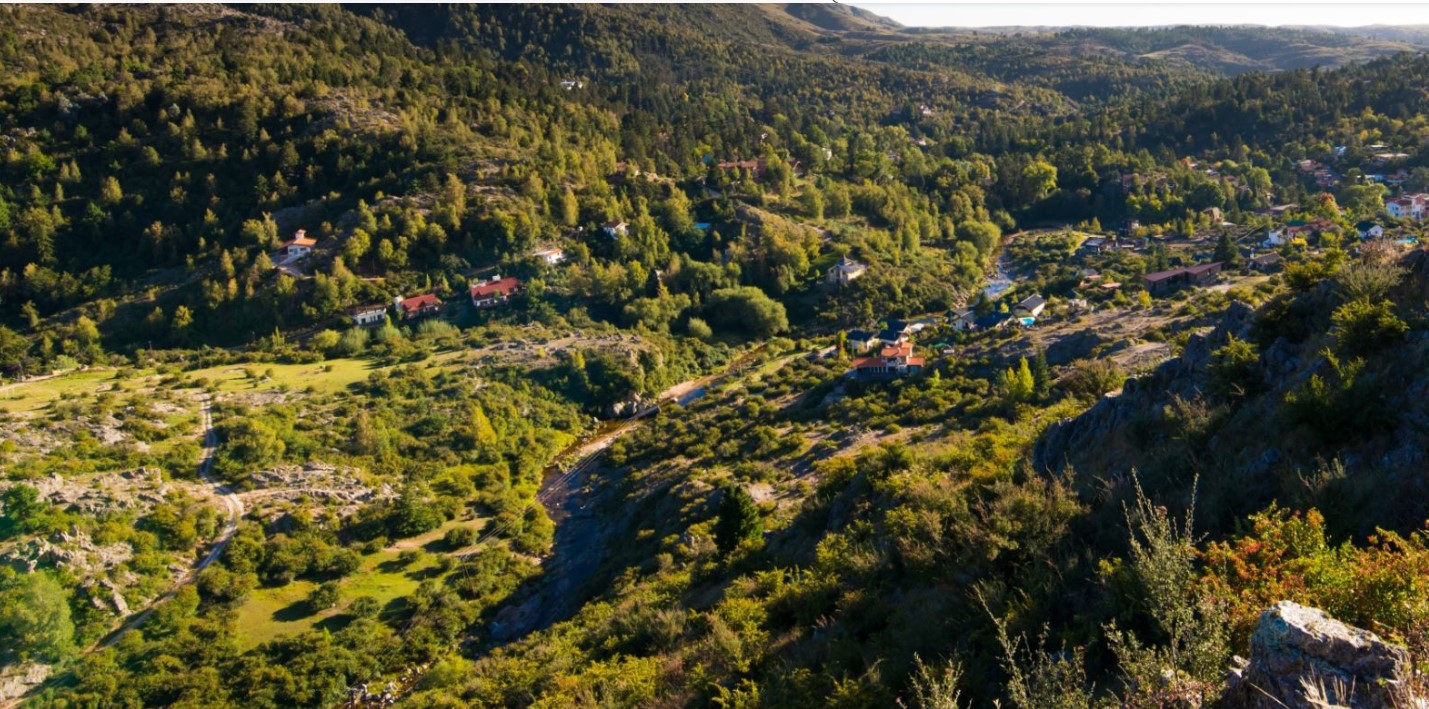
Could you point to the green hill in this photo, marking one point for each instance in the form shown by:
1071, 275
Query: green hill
564, 397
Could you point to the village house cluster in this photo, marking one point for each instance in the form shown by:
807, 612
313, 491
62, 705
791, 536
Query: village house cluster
486, 293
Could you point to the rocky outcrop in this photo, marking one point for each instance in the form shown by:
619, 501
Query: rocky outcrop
74, 551
138, 490
1301, 657
18, 680
341, 487
1181, 376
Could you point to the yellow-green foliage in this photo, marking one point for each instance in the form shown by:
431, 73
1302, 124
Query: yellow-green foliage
1382, 585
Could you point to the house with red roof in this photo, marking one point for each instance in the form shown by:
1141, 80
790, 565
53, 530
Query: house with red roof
892, 361
498, 290
419, 306
755, 167
1408, 206
299, 245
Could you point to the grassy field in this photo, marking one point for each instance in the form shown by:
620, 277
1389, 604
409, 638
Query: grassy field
326, 377
270, 613
36, 395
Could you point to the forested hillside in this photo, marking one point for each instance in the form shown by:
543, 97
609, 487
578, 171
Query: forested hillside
713, 355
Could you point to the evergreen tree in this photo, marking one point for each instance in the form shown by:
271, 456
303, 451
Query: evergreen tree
738, 519
1226, 252
1041, 373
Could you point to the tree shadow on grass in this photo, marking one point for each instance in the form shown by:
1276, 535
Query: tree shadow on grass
429, 572
335, 623
293, 612
392, 566
395, 611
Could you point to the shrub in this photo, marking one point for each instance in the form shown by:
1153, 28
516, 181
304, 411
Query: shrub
1362, 327
697, 327
1235, 369
365, 607
325, 341
1368, 281
458, 537
353, 342
1286, 556
325, 596
1090, 379
1338, 407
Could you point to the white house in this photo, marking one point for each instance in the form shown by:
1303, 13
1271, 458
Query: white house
1408, 206
963, 319
1033, 305
859, 341
367, 315
300, 245
845, 271
1369, 230
551, 257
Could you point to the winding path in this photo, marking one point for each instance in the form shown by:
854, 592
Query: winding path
230, 528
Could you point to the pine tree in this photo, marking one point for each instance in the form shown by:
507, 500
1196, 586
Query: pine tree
1041, 373
738, 519
569, 208
1226, 251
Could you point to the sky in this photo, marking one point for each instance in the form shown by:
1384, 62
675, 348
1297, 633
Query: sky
1128, 14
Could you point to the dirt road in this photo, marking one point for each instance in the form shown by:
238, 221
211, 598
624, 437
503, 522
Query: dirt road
230, 527
235, 513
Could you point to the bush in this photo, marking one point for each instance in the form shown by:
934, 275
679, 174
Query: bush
1090, 379
458, 537
353, 342
365, 607
697, 327
1235, 369
35, 621
747, 309
325, 341
1339, 407
325, 596
1368, 281
433, 328
1362, 327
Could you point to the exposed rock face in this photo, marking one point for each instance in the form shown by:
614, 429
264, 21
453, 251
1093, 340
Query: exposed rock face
16, 680
1183, 376
342, 487
139, 490
1301, 657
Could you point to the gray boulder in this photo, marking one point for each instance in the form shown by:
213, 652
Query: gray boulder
1301, 657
